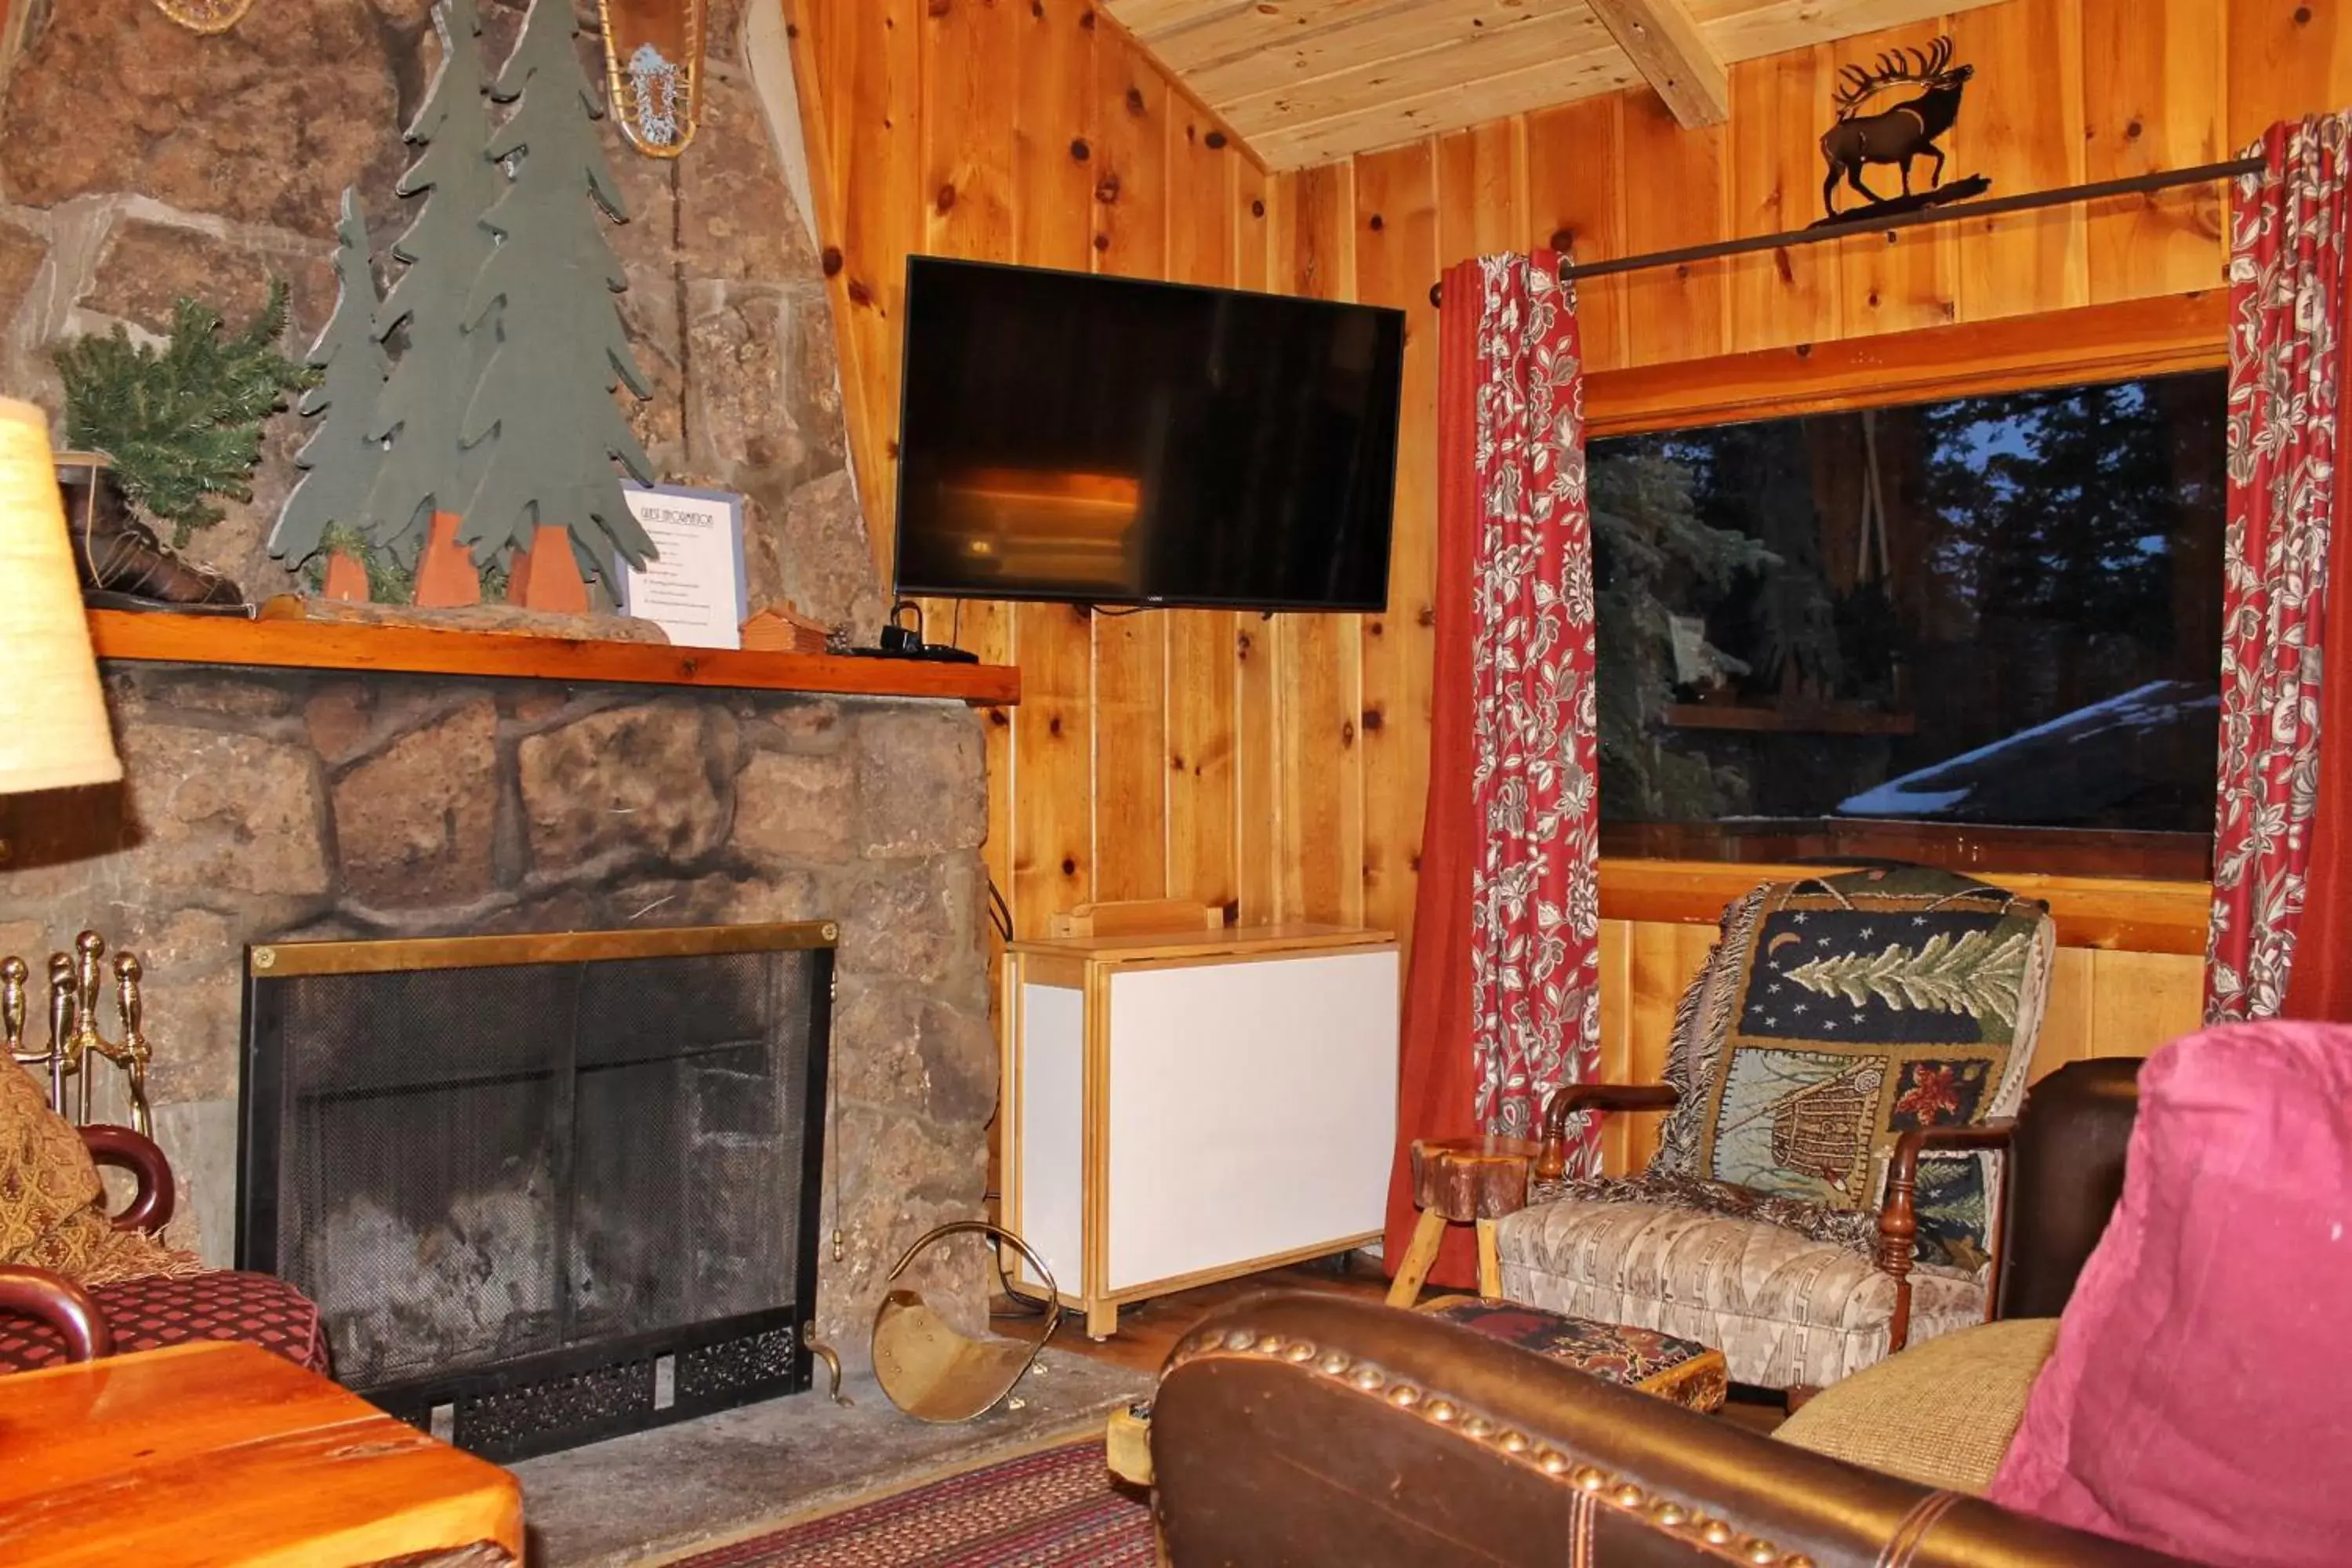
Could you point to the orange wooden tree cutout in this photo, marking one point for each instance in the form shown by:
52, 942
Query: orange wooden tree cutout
346, 579
547, 576
444, 570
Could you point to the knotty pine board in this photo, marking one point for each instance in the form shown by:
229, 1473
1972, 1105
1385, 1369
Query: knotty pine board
2021, 126
1780, 297
2156, 104
1202, 671
1889, 283
1573, 172
1396, 227
1130, 694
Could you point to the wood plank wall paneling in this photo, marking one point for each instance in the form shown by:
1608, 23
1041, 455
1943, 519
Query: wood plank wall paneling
1008, 130
2104, 997
2065, 90
1277, 765
1396, 234
2101, 1003
1319, 659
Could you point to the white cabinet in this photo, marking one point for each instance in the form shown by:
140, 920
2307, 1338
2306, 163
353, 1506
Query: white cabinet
1182, 1109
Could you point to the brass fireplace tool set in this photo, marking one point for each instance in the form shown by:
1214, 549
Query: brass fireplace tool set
75, 1043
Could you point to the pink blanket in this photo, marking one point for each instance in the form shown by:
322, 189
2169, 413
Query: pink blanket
2199, 1399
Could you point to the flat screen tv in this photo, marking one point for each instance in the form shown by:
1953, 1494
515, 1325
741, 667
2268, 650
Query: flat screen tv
1105, 441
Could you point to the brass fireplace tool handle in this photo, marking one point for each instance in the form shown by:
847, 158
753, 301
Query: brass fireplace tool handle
75, 980
825, 1353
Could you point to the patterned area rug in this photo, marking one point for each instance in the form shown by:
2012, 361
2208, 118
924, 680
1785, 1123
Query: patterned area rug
1057, 1508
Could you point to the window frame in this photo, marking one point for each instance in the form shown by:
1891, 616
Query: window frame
2125, 340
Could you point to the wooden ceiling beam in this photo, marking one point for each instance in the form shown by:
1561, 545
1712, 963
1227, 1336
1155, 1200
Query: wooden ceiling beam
1663, 42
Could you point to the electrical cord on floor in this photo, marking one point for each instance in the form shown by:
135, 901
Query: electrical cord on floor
1000, 915
1031, 1306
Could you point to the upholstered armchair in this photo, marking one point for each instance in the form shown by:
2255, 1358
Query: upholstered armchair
46, 1319
1843, 1073
1301, 1428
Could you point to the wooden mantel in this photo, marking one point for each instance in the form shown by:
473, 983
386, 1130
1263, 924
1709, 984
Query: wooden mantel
423, 650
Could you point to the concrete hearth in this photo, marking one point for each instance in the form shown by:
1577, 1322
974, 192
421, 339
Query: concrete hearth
644, 1497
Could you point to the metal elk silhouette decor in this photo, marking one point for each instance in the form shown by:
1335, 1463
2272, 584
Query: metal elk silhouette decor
1900, 133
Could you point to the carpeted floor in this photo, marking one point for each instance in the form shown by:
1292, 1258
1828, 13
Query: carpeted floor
1055, 1508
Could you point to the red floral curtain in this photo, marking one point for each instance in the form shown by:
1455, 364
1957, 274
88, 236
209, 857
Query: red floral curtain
1503, 1000
2287, 292
1535, 909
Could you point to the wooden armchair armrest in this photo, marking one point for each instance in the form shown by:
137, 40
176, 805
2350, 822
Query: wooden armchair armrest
1571, 1098
151, 1207
1898, 1214
61, 1303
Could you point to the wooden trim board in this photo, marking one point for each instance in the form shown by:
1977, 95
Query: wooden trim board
425, 650
1230, 942
2105, 914
2159, 336
1175, 1283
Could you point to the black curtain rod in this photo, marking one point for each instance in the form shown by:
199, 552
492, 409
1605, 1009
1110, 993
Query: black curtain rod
2136, 185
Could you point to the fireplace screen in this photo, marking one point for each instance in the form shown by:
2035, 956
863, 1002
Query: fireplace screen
543, 1189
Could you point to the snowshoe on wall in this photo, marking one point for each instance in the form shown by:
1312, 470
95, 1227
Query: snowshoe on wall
653, 68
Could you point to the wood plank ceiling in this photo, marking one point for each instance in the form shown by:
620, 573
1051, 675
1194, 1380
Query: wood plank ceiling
1307, 81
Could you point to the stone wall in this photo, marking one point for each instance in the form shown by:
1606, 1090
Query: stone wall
262, 805
140, 162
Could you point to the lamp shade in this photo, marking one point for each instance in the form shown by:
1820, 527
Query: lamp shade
53, 731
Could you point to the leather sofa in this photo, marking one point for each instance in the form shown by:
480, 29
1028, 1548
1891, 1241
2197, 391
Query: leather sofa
1299, 1429
2063, 1178
1306, 1429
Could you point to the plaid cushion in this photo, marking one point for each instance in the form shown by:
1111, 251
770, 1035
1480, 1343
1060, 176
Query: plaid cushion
151, 1313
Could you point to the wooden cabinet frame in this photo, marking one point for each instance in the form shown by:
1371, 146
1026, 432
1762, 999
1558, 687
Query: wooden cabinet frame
1073, 1141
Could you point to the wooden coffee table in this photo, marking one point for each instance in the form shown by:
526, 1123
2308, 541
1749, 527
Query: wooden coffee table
218, 1453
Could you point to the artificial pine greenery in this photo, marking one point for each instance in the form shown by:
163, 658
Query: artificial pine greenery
183, 424
389, 581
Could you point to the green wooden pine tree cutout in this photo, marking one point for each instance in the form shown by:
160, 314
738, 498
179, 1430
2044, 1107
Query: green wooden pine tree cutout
1974, 977
183, 422
428, 469
340, 458
545, 397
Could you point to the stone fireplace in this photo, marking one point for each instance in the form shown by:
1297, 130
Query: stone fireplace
263, 806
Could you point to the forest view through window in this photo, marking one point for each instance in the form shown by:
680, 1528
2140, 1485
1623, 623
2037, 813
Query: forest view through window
1972, 616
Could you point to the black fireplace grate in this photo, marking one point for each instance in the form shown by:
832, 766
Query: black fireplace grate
554, 1187
537, 1404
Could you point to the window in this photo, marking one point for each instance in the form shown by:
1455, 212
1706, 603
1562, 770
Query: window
1980, 629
